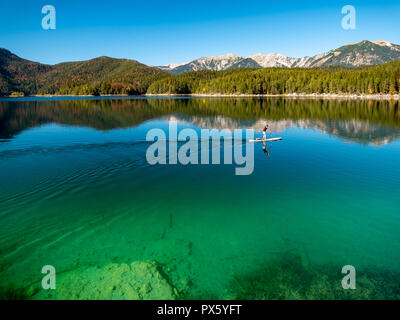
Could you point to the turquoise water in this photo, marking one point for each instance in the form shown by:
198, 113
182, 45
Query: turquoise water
77, 193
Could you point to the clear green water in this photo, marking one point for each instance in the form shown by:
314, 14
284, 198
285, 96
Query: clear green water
77, 193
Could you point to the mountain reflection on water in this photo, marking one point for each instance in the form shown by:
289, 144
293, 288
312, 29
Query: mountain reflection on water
361, 121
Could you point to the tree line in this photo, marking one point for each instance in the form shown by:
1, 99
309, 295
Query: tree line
380, 79
106, 76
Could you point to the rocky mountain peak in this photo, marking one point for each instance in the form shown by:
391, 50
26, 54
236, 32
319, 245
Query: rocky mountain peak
350, 55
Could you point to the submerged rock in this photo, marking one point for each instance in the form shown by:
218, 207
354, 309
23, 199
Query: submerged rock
137, 281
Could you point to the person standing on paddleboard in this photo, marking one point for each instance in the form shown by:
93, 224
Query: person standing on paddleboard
266, 128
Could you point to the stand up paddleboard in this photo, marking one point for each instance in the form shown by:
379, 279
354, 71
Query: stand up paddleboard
265, 140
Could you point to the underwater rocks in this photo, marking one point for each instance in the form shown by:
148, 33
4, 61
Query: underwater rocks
137, 281
175, 255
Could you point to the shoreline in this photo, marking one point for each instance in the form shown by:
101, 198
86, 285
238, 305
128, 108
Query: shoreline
219, 95
291, 95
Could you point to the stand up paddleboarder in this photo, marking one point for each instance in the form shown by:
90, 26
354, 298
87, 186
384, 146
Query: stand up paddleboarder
266, 128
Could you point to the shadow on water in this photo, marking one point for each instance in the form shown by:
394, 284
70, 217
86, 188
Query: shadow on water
288, 278
12, 292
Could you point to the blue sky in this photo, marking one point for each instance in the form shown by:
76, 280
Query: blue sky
159, 32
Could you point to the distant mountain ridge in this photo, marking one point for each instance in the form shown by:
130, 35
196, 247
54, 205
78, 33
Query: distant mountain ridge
359, 54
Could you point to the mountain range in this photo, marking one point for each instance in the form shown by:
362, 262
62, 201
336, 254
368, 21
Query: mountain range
351, 55
105, 75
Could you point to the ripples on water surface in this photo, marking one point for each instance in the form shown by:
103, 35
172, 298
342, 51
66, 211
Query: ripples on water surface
77, 193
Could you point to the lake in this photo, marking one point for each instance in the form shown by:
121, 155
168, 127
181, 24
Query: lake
77, 193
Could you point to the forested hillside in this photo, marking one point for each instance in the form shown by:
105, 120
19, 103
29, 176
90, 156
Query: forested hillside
102, 75
17, 74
